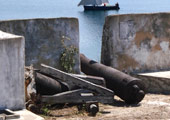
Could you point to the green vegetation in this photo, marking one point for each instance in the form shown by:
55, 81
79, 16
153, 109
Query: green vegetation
67, 57
45, 110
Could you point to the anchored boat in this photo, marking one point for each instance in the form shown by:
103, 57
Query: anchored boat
98, 5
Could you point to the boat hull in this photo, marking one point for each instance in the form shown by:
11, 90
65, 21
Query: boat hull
101, 7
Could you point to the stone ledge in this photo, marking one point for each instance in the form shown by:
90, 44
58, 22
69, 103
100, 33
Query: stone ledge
156, 82
27, 115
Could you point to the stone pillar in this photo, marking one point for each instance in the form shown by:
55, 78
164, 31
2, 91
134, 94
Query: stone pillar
12, 57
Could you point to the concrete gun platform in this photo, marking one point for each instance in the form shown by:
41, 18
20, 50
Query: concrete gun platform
152, 107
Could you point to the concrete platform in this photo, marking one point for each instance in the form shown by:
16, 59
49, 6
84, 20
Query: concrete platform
156, 82
152, 107
27, 115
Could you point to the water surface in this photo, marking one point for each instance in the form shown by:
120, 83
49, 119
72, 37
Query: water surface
91, 22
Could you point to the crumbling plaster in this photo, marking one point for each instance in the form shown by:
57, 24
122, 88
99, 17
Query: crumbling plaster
137, 42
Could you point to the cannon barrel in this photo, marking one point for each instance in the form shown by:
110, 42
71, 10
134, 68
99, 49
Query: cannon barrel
128, 88
46, 85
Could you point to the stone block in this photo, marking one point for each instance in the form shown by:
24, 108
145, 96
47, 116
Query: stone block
12, 61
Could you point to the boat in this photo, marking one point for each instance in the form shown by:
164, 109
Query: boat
98, 5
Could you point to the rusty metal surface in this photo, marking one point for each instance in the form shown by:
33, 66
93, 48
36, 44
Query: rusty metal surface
128, 88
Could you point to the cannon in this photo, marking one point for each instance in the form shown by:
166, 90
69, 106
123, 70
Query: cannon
46, 85
128, 88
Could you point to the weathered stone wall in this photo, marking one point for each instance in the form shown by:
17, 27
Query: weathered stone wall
44, 39
12, 61
137, 42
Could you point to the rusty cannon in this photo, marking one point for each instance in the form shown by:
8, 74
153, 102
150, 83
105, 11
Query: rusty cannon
130, 89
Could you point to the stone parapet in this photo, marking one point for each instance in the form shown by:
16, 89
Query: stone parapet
46, 40
137, 42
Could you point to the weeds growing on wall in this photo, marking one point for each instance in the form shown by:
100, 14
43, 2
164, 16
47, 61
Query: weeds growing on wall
67, 57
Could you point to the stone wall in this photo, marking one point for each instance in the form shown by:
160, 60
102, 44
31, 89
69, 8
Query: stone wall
137, 42
12, 61
46, 39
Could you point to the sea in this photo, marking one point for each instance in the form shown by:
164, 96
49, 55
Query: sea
90, 22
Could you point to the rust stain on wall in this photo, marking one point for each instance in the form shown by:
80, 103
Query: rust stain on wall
141, 36
164, 39
157, 47
125, 61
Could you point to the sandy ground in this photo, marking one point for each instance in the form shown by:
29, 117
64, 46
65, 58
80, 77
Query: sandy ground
151, 107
